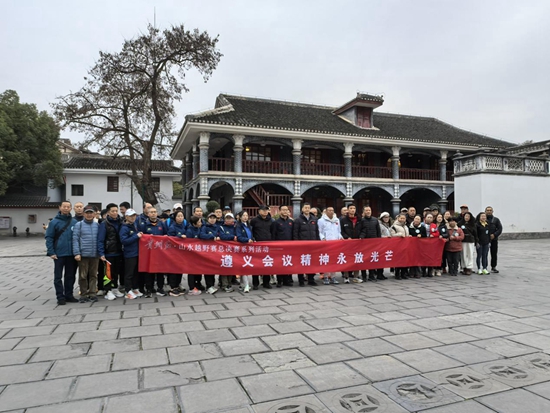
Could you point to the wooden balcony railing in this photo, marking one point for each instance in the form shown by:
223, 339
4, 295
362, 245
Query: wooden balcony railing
325, 169
220, 164
450, 176
423, 174
267, 167
371, 172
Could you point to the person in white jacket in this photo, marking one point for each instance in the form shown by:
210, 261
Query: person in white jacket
329, 230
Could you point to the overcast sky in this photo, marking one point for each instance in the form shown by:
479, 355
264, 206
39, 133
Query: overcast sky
483, 66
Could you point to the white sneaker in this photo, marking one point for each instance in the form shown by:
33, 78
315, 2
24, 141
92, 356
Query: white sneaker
480, 272
195, 291
212, 290
137, 293
117, 293
272, 280
346, 280
246, 289
130, 295
100, 292
357, 280
110, 296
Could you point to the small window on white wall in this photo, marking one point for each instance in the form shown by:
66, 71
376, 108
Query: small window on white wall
77, 190
112, 184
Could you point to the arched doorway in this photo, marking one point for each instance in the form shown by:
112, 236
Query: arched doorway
377, 198
269, 194
451, 202
419, 198
222, 193
324, 195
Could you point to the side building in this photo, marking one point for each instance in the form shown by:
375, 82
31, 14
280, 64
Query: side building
248, 151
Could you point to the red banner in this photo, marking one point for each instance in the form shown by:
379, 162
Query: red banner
171, 255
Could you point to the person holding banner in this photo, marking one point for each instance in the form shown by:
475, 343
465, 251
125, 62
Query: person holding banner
194, 231
306, 229
85, 253
454, 246
329, 229
227, 233
370, 228
244, 235
129, 237
209, 231
154, 226
261, 231
281, 230
418, 230
110, 249
400, 229
351, 229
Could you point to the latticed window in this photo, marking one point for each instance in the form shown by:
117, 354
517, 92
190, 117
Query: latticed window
312, 155
155, 184
112, 184
257, 153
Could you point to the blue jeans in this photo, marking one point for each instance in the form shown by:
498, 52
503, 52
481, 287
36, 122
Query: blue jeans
64, 287
482, 253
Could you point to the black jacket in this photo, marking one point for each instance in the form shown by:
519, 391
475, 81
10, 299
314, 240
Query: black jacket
470, 231
495, 227
348, 229
281, 229
443, 230
420, 230
483, 234
370, 228
306, 229
261, 228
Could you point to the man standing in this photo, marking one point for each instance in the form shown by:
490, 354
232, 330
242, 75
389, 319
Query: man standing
79, 211
59, 246
154, 226
343, 212
85, 253
306, 229
411, 213
495, 229
281, 230
261, 231
142, 219
351, 229
463, 210
110, 249
329, 230
123, 207
219, 217
370, 228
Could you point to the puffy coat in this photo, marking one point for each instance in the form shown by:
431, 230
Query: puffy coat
398, 230
261, 228
495, 226
108, 239
281, 229
193, 232
329, 228
305, 229
61, 246
244, 232
129, 240
209, 231
85, 239
416, 231
370, 228
227, 232
443, 230
177, 230
470, 231
155, 228
432, 230
455, 243
483, 233
385, 231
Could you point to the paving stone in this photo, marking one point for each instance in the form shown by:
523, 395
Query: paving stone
448, 336
481, 331
467, 353
381, 368
512, 372
144, 331
359, 399
504, 347
208, 397
172, 375
287, 341
115, 346
426, 360
62, 319
229, 314
373, 347
412, 341
8, 343
95, 335
198, 316
401, 327
282, 360
30, 331
193, 353
416, 393
518, 400
166, 340
297, 316
328, 336
466, 382
308, 404
88, 406
43, 341
331, 377
273, 386
15, 357
20, 323
228, 367
224, 323
538, 362
253, 331
433, 323
211, 336
156, 401
513, 327
119, 323
74, 328
183, 327
208, 308
23, 373
542, 389
175, 310
272, 310
291, 327
44, 392
330, 353
469, 406
135, 359
361, 320
104, 384
366, 331
240, 347
80, 366
539, 341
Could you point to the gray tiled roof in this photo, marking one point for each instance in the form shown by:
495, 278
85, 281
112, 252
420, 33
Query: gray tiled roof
26, 201
273, 114
105, 162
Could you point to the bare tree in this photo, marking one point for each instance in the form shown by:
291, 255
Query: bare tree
126, 106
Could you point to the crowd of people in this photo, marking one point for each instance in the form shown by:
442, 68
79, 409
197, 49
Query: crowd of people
104, 245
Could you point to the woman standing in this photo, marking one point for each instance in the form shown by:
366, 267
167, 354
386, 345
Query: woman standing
385, 224
443, 234
469, 228
400, 229
244, 235
483, 243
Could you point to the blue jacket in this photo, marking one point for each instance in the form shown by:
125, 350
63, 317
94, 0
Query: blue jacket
209, 231
102, 241
85, 239
63, 247
193, 232
158, 228
227, 233
177, 230
243, 232
129, 239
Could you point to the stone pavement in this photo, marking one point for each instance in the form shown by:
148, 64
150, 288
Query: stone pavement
476, 344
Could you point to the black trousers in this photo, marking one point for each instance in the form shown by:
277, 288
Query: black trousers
302, 277
494, 253
150, 281
193, 280
131, 275
210, 280
372, 274
284, 279
256, 280
453, 259
117, 278
174, 280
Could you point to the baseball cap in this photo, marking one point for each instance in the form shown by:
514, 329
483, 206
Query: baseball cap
263, 208
230, 215
463, 206
178, 206
89, 208
211, 215
130, 212
404, 209
226, 208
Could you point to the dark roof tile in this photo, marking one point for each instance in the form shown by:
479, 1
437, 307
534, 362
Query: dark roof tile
108, 163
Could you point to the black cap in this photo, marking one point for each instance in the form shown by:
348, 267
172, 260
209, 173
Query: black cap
263, 208
226, 208
212, 215
427, 209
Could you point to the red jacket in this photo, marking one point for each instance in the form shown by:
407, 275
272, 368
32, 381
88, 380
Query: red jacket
432, 230
456, 235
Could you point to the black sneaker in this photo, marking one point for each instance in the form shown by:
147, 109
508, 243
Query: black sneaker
161, 293
254, 287
494, 271
267, 286
71, 300
200, 287
83, 300
147, 294
93, 299
372, 279
61, 302
302, 284
312, 283
279, 285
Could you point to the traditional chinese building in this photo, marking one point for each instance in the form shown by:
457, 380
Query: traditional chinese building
247, 151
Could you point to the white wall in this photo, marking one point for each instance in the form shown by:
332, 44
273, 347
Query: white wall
95, 190
19, 218
519, 201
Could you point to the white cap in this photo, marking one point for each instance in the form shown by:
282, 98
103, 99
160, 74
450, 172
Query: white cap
176, 206
130, 212
384, 214
230, 215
